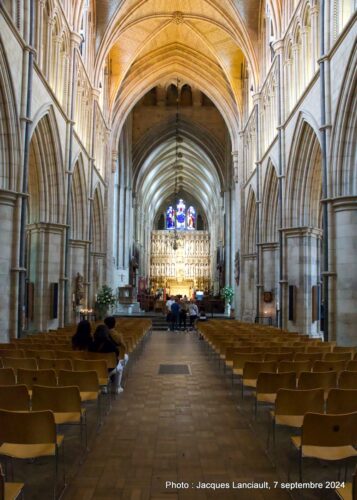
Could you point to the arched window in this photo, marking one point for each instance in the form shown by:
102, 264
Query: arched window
171, 95
177, 217
191, 218
181, 215
170, 218
186, 96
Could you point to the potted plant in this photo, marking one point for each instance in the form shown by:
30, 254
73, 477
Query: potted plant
227, 294
105, 299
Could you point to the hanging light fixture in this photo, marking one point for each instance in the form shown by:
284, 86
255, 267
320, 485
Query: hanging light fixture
176, 237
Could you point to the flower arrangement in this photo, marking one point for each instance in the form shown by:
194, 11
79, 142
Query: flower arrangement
106, 297
227, 294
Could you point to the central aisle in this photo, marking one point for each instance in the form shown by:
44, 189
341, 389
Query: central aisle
179, 428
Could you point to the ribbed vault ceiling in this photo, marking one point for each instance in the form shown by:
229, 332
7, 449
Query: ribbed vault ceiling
147, 42
197, 169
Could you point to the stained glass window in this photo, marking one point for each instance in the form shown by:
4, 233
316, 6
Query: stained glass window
191, 218
170, 218
179, 218
181, 215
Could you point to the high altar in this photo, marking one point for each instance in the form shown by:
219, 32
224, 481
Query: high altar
184, 270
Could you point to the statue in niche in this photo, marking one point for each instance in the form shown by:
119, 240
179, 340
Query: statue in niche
237, 268
79, 289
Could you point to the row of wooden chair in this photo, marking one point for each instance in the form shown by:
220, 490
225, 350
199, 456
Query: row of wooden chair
109, 357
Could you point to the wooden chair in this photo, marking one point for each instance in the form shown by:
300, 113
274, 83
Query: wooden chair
65, 402
341, 401
291, 406
71, 354
252, 369
349, 491
55, 364
278, 356
14, 398
308, 356
87, 381
88, 384
338, 356
36, 377
40, 353
99, 365
7, 376
294, 366
326, 437
319, 349
268, 385
29, 435
317, 380
240, 360
20, 363
109, 357
10, 491
352, 366
329, 366
347, 380
12, 353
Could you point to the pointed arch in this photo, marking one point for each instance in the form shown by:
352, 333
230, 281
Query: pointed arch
98, 222
304, 180
270, 205
250, 225
46, 179
79, 201
10, 177
343, 141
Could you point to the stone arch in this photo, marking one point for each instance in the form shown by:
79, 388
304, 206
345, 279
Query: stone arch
98, 243
304, 178
79, 197
343, 141
270, 206
250, 224
9, 127
46, 180
186, 95
171, 95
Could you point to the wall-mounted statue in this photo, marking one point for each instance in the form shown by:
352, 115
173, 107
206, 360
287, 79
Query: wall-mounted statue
79, 289
237, 268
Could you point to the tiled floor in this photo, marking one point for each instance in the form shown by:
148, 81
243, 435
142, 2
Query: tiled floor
183, 429
166, 435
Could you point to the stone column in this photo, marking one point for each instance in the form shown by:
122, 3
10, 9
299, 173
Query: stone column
7, 230
46, 242
343, 289
314, 36
269, 277
302, 270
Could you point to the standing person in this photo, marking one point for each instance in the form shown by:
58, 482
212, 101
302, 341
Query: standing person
193, 312
169, 303
82, 339
183, 314
175, 312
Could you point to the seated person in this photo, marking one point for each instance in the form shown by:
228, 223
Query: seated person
103, 343
115, 335
82, 339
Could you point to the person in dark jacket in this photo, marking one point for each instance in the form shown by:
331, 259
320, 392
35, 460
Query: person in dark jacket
102, 341
175, 313
82, 339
